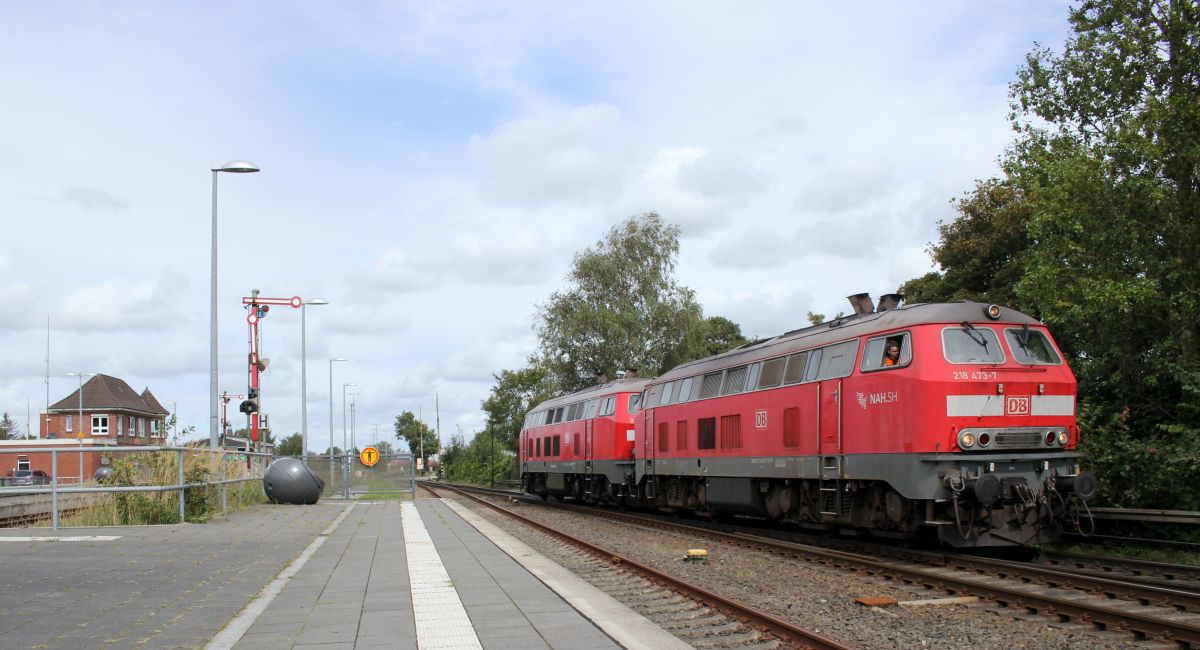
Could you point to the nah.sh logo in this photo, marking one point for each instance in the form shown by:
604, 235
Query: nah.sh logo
1016, 405
862, 401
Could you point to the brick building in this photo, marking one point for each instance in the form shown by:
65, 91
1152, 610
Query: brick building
111, 410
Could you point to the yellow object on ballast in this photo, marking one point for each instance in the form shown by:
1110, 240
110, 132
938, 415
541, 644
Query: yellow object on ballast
697, 554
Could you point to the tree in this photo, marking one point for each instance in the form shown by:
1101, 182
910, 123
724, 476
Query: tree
292, 445
514, 394
983, 251
384, 447
623, 307
1095, 228
411, 430
9, 429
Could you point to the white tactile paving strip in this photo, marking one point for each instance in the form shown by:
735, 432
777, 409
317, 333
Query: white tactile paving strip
441, 620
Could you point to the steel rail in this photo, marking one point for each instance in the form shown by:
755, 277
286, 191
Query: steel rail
777, 626
1102, 617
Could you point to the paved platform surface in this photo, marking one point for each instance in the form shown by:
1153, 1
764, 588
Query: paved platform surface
334, 575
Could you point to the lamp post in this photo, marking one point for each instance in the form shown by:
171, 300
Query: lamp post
345, 449
304, 375
79, 434
331, 361
232, 167
353, 411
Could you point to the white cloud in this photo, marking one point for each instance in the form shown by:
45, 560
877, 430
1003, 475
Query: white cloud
847, 184
754, 248
761, 309
688, 186
395, 270
121, 305
486, 356
562, 156
363, 319
507, 254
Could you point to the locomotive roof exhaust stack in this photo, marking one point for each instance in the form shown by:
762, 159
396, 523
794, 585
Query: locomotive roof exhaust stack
630, 373
889, 301
861, 302
601, 377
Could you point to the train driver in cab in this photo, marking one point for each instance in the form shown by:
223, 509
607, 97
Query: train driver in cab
891, 353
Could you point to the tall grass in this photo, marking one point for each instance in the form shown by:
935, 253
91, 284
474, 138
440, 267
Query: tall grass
162, 507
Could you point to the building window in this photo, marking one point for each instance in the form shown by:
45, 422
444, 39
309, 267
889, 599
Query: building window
70, 424
141, 427
120, 426
22, 462
153, 428
99, 425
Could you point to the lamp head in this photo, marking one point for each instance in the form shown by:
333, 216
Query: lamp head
237, 167
316, 301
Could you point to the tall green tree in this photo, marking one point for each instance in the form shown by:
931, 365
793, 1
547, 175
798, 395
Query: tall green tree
622, 308
416, 433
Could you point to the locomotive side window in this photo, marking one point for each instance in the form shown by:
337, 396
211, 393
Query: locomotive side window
772, 373
685, 389
970, 344
735, 381
589, 411
752, 375
573, 412
634, 402
1031, 347
833, 361
675, 391
795, 368
878, 352
665, 398
711, 386
653, 395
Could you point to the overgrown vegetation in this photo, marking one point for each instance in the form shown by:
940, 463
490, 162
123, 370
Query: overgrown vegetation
162, 507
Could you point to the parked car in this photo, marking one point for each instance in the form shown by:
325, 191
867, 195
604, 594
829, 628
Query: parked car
30, 477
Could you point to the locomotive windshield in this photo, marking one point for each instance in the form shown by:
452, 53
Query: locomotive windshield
969, 344
1031, 347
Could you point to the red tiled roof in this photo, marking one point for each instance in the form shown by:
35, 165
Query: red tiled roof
105, 392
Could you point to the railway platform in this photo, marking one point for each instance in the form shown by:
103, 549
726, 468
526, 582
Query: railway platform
339, 574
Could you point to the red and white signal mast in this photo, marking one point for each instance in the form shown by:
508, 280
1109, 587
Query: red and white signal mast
257, 308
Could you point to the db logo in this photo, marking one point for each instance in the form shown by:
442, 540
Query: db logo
760, 419
1016, 405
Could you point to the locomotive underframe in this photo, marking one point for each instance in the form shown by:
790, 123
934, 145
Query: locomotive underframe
1024, 500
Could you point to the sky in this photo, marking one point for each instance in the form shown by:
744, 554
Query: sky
430, 169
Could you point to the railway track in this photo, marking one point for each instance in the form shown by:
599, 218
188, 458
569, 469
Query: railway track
1146, 600
696, 615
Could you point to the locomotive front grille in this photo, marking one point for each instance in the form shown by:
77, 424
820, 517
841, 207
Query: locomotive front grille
1017, 439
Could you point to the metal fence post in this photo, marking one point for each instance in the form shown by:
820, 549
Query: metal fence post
54, 489
224, 486
182, 489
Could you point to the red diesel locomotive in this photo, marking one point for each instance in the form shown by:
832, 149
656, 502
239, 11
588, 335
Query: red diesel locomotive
581, 445
955, 419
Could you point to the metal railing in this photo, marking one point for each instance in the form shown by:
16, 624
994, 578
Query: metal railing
256, 466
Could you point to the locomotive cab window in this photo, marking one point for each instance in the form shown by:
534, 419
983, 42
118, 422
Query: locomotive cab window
634, 403
1031, 347
886, 352
970, 344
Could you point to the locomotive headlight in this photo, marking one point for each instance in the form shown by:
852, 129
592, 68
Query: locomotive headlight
1062, 438
1050, 438
992, 311
984, 439
966, 440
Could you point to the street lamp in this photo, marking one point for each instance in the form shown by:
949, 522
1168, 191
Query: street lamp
345, 449
331, 360
232, 167
304, 375
79, 434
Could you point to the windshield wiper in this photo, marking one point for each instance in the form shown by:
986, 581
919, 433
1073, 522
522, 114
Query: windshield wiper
975, 335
